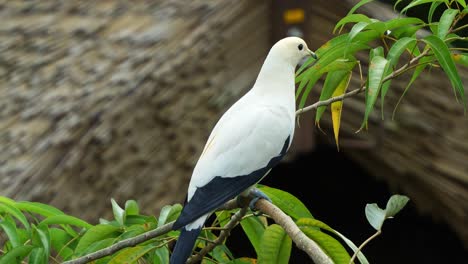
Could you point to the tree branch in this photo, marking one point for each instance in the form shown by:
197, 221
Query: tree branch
129, 242
300, 239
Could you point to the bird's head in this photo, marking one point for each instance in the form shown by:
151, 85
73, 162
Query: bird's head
292, 50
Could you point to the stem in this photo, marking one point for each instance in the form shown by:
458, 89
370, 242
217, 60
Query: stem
363, 244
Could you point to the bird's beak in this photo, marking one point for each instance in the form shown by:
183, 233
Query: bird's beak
312, 54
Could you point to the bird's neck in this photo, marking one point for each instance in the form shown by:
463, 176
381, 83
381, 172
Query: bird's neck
278, 75
276, 82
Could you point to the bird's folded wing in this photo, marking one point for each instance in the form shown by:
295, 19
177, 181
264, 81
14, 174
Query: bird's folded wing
239, 153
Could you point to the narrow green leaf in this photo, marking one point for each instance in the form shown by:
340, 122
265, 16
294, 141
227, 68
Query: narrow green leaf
275, 247
419, 2
96, 233
432, 9
13, 211
11, 232
131, 255
442, 53
169, 213
332, 81
254, 230
65, 220
17, 253
358, 5
131, 208
44, 238
375, 216
97, 245
306, 64
393, 56
354, 18
400, 22
119, 213
37, 256
330, 245
356, 29
377, 68
161, 255
445, 22
423, 62
395, 204
287, 202
462, 3
38, 208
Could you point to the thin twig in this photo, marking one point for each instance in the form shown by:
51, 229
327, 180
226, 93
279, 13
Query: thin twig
363, 244
220, 239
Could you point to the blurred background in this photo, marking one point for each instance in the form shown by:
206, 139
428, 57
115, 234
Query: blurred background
115, 99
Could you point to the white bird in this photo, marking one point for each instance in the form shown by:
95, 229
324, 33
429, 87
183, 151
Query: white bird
248, 140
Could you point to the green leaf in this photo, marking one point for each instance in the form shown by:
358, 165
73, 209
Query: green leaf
65, 220
332, 81
223, 217
330, 245
377, 69
461, 59
131, 208
131, 255
38, 208
11, 232
314, 223
59, 241
161, 255
462, 3
98, 245
275, 247
288, 203
356, 6
432, 9
395, 204
375, 216
418, 2
356, 29
13, 211
94, 234
37, 256
445, 22
423, 62
169, 213
254, 229
119, 213
400, 22
393, 56
306, 64
44, 238
442, 54
17, 253
354, 18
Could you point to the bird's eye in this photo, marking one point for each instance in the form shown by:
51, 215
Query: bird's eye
300, 46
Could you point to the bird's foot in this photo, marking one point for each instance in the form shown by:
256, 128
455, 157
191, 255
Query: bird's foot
257, 195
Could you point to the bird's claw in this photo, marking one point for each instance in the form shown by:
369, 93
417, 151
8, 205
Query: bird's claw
257, 195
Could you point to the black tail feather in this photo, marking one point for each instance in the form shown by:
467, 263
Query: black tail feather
184, 245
